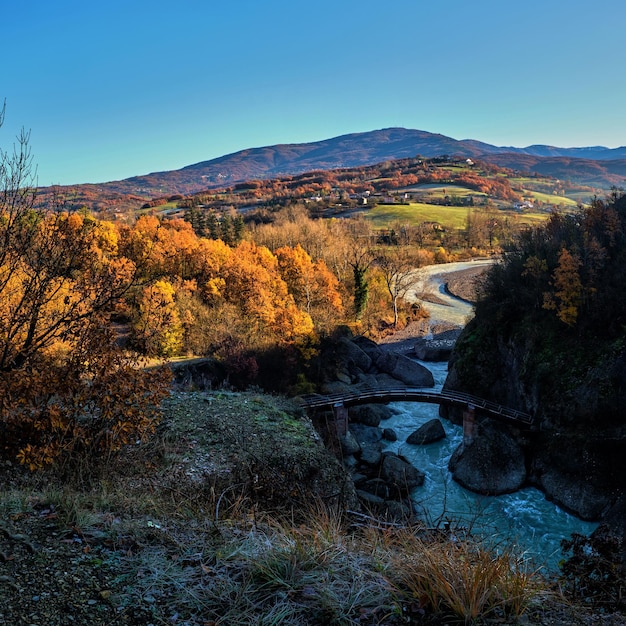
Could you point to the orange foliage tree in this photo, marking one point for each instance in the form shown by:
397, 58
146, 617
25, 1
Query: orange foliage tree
64, 386
314, 288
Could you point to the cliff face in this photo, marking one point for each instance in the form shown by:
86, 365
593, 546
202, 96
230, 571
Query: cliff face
576, 451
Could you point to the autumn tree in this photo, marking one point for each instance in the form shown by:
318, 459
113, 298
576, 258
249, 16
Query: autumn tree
157, 324
573, 265
398, 270
313, 287
60, 278
567, 289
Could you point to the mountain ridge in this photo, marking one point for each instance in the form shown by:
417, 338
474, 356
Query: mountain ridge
607, 168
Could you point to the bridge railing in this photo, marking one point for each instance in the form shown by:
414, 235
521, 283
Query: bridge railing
408, 393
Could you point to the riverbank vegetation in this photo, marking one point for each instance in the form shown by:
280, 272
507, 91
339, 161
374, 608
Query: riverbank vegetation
549, 336
560, 288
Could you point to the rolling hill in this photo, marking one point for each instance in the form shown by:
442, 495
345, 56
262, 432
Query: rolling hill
597, 166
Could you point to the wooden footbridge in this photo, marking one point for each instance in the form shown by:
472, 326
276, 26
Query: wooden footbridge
468, 403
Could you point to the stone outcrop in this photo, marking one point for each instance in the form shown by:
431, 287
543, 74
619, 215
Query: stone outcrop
405, 370
429, 432
358, 361
576, 471
353, 357
382, 479
492, 464
576, 451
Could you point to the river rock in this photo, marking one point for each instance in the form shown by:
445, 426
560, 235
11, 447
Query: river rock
572, 472
371, 348
370, 500
405, 369
366, 434
574, 495
349, 444
437, 348
429, 432
389, 434
434, 349
371, 453
376, 486
369, 414
369, 439
402, 475
492, 464
352, 355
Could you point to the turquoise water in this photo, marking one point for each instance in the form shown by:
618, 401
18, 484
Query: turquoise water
524, 519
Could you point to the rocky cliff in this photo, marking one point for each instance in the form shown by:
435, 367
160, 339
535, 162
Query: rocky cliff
576, 390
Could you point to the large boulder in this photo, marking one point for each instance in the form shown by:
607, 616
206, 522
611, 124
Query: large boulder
574, 495
577, 472
349, 444
389, 434
400, 473
491, 464
371, 348
349, 353
377, 487
369, 439
366, 434
429, 432
405, 370
369, 414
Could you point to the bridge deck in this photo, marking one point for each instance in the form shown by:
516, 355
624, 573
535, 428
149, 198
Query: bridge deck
399, 394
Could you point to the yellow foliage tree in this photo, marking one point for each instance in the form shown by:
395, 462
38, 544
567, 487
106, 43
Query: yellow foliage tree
157, 326
568, 290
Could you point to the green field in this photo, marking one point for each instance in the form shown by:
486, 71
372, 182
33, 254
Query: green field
438, 190
548, 198
385, 215
159, 209
450, 217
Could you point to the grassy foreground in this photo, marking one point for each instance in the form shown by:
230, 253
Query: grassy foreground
236, 514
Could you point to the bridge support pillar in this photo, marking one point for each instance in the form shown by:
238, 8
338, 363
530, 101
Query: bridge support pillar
340, 412
469, 424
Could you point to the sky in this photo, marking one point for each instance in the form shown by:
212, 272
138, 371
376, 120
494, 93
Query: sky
110, 90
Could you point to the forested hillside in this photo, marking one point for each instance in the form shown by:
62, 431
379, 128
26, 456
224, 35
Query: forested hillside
549, 338
557, 298
487, 176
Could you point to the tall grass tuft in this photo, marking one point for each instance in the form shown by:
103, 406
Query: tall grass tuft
463, 577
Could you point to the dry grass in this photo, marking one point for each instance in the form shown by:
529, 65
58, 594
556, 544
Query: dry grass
155, 545
465, 578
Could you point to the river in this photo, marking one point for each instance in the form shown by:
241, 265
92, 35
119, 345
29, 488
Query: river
431, 280
524, 519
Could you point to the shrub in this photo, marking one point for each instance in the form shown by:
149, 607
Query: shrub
86, 405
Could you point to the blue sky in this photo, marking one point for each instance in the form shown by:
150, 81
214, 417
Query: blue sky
127, 87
